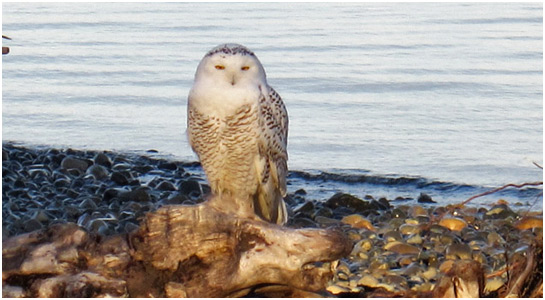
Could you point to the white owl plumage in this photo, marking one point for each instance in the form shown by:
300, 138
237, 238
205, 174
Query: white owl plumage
238, 127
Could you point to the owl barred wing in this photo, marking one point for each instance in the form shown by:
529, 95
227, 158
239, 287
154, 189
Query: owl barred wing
274, 128
272, 161
282, 137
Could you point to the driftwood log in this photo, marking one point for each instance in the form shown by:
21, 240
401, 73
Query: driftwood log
178, 251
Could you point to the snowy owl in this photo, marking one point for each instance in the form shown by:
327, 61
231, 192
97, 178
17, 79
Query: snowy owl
238, 126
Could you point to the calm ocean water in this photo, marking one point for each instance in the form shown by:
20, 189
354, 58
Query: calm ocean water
447, 96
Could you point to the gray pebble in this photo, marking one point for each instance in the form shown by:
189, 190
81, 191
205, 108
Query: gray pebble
32, 225
300, 192
69, 163
121, 167
88, 204
166, 186
103, 160
188, 187
143, 169
302, 222
130, 226
425, 198
109, 194
170, 166
324, 221
175, 199
96, 225
140, 194
348, 201
98, 171
323, 212
40, 216
119, 178
306, 208
19, 183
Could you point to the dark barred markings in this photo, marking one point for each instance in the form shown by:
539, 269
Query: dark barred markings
230, 49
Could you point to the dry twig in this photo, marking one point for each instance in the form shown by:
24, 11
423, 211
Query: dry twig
460, 205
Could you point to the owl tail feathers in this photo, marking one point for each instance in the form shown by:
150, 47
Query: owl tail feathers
282, 217
271, 206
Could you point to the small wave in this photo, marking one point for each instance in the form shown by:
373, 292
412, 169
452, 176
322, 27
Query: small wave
386, 180
413, 185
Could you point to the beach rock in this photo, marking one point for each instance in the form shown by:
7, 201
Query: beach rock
70, 163
32, 225
40, 216
170, 166
119, 178
88, 204
175, 199
324, 221
166, 186
454, 224
357, 221
368, 281
401, 248
417, 211
402, 199
392, 236
384, 203
425, 198
341, 211
529, 223
128, 227
323, 212
20, 183
39, 174
61, 182
409, 229
415, 239
190, 187
301, 222
139, 194
121, 166
143, 169
306, 208
458, 251
300, 192
399, 213
500, 211
336, 289
110, 194
103, 160
98, 171
493, 284
348, 201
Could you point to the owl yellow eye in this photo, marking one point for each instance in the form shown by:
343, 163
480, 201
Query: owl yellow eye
220, 67
245, 68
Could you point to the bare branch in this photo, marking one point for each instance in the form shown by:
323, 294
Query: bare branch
499, 189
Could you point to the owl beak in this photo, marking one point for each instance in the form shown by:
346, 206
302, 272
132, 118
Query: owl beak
233, 81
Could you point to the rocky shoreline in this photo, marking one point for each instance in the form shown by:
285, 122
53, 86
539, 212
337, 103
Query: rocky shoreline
398, 250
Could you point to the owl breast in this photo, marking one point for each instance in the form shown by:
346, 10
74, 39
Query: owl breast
227, 146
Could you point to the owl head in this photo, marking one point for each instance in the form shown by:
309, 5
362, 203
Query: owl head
231, 64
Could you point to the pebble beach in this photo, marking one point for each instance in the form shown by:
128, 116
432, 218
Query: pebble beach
399, 247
